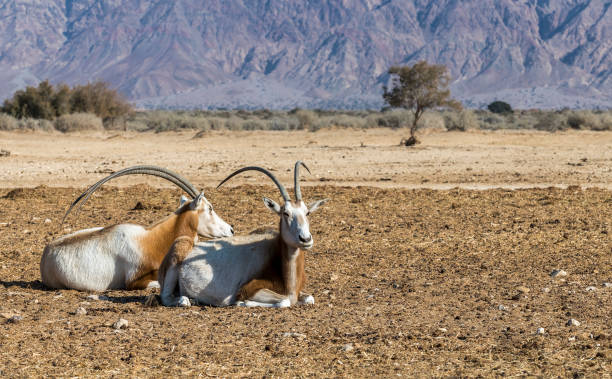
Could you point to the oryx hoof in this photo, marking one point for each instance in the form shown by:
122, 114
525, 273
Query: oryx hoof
307, 300
183, 301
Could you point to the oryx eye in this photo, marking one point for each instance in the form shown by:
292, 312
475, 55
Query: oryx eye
286, 214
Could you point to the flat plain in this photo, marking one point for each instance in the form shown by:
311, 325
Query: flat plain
428, 261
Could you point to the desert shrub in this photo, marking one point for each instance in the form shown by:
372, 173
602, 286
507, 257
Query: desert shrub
36, 124
347, 121
493, 121
606, 121
48, 102
306, 118
99, 99
551, 121
8, 122
499, 107
233, 123
163, 121
394, 120
283, 123
432, 121
78, 122
33, 102
461, 121
254, 124
590, 120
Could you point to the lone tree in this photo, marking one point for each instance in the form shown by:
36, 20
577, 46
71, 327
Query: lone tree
418, 88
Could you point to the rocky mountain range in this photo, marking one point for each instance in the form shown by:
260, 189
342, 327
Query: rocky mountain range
311, 53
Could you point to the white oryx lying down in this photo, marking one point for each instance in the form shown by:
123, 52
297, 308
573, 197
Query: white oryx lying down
127, 256
256, 270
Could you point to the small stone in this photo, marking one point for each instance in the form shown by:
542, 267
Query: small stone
571, 339
546, 290
27, 231
558, 273
591, 289
4, 267
333, 277
348, 347
607, 285
80, 311
15, 319
573, 322
502, 308
47, 221
95, 297
294, 335
523, 289
540, 331
121, 324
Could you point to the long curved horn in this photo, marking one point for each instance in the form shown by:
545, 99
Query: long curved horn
296, 180
171, 176
281, 188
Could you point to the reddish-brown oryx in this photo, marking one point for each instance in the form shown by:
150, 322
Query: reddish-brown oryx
127, 255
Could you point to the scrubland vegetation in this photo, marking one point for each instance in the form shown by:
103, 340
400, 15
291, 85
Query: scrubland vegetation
96, 106
313, 120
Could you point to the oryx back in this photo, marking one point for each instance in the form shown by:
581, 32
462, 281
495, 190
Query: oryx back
215, 270
94, 259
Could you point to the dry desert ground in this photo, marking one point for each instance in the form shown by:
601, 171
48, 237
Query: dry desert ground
434, 260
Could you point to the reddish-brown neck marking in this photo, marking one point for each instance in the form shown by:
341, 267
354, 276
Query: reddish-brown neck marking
159, 237
292, 263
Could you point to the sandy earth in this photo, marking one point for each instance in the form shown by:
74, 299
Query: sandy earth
348, 157
407, 281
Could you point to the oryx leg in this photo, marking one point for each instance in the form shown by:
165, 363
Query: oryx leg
266, 298
148, 280
168, 273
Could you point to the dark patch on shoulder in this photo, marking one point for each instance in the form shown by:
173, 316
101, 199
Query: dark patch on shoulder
264, 230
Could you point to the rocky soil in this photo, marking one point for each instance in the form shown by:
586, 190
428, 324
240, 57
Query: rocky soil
407, 282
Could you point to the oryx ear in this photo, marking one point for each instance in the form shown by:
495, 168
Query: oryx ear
183, 200
315, 205
195, 204
272, 205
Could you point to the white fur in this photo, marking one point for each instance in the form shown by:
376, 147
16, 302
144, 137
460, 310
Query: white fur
104, 261
214, 271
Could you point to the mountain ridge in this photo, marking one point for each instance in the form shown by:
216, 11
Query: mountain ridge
320, 53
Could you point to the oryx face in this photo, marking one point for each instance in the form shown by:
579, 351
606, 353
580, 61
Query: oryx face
210, 225
294, 225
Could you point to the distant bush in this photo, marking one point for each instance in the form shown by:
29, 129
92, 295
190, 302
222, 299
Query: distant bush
551, 121
590, 120
99, 99
49, 102
313, 120
499, 107
78, 122
395, 120
8, 122
461, 121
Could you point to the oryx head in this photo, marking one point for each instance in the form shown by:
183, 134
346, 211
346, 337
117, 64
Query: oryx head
210, 225
294, 225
